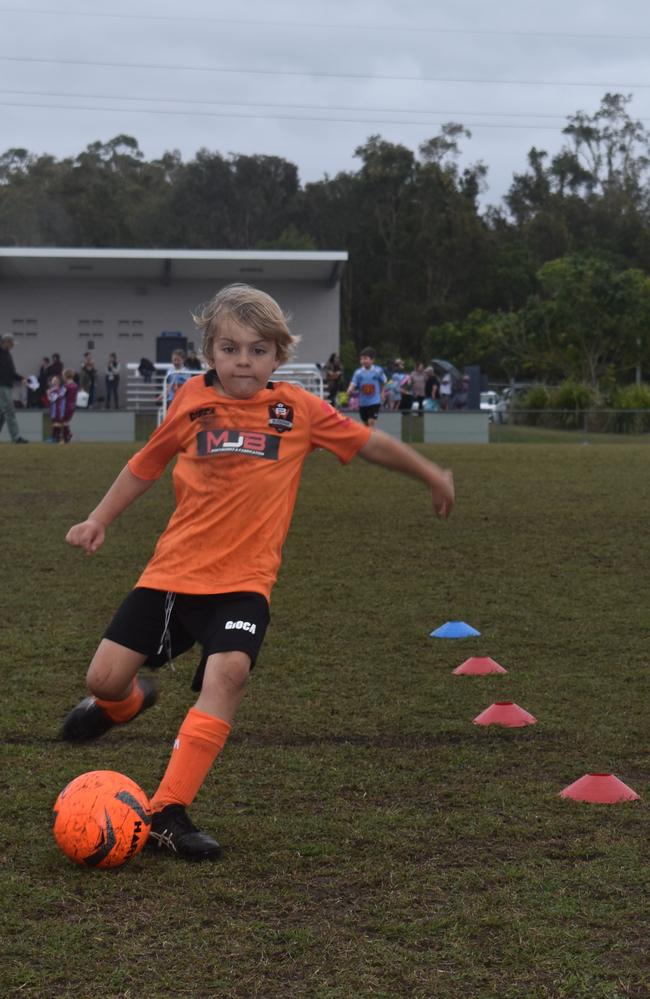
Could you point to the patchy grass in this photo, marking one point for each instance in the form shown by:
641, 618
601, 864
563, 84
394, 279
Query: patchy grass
377, 843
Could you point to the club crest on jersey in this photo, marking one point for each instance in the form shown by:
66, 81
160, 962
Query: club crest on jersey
281, 417
249, 442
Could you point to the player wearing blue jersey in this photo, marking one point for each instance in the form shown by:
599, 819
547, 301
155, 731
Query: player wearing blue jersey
368, 381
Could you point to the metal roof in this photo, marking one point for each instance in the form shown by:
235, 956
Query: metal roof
169, 265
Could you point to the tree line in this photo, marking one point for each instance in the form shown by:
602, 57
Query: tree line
551, 284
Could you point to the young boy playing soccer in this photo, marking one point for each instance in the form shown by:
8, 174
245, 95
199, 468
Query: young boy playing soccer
368, 381
240, 443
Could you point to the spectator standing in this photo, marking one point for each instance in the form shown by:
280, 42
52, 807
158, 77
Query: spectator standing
146, 370
55, 367
432, 390
193, 362
42, 382
112, 380
8, 378
418, 386
394, 385
333, 377
33, 392
70, 389
56, 398
391, 395
88, 377
405, 392
459, 397
368, 381
446, 388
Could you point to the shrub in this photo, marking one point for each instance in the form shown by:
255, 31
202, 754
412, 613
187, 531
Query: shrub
535, 398
573, 398
631, 406
573, 395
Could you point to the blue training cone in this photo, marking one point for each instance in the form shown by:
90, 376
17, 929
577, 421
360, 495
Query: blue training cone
454, 629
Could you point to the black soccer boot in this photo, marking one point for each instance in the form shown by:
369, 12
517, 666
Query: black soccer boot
89, 721
171, 830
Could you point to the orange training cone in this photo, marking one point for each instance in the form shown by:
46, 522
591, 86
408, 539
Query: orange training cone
478, 666
505, 713
600, 789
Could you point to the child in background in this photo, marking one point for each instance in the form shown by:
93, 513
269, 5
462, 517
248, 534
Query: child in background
394, 385
368, 380
70, 401
240, 442
56, 396
176, 376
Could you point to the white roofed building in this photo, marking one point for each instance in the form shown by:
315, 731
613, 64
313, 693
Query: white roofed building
138, 303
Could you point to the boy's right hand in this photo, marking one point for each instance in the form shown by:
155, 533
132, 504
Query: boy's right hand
89, 535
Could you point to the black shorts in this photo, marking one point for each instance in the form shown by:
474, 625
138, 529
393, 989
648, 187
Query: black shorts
164, 625
369, 412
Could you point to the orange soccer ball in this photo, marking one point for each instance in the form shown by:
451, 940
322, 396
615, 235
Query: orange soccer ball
101, 819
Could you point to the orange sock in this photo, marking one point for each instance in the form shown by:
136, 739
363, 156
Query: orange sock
200, 739
123, 711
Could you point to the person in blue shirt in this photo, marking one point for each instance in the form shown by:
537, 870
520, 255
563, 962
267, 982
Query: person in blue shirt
176, 376
368, 381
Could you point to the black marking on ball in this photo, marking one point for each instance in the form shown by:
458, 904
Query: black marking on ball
106, 844
128, 799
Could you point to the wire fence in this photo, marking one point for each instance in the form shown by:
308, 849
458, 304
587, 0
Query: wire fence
570, 425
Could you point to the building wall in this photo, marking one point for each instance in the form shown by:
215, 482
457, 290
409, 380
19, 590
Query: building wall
126, 317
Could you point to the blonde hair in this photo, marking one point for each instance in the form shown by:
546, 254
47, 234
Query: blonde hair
68, 373
247, 306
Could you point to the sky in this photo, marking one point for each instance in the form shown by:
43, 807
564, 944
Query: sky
310, 82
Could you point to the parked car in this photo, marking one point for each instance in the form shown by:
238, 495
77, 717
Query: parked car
489, 403
507, 401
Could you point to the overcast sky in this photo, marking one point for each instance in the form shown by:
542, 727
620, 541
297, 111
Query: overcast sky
311, 81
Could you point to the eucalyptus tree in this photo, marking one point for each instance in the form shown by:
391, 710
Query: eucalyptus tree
33, 207
596, 315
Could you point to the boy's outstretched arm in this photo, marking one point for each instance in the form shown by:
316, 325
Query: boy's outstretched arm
89, 535
391, 453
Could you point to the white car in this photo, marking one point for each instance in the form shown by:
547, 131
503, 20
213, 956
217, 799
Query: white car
489, 402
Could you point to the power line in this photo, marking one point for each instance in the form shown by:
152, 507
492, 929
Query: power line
338, 26
273, 117
295, 107
314, 73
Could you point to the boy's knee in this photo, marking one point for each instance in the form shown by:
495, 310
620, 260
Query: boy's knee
230, 669
112, 670
107, 683
101, 684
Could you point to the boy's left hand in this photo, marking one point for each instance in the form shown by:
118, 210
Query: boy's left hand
88, 535
443, 495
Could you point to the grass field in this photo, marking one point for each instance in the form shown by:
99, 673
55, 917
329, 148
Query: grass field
377, 843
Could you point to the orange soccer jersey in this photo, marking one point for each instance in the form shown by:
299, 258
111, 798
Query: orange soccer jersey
236, 480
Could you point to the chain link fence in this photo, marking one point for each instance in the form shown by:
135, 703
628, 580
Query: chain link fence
571, 426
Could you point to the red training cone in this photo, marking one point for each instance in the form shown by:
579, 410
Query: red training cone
600, 789
478, 666
505, 713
